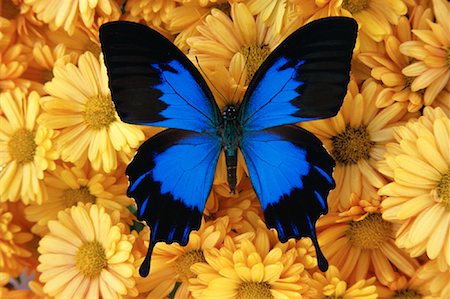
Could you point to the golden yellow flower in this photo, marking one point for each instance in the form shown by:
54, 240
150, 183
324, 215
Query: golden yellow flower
405, 287
418, 198
81, 41
171, 263
87, 254
26, 148
70, 14
14, 255
248, 267
361, 244
435, 277
331, 285
80, 106
236, 43
66, 186
431, 71
356, 138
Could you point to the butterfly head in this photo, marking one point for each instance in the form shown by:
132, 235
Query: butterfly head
230, 112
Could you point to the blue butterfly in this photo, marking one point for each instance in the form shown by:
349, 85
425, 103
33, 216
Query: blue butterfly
153, 83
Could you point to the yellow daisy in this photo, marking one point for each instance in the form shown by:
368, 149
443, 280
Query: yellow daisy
356, 138
435, 279
14, 255
69, 14
249, 268
87, 254
418, 198
233, 43
331, 285
26, 148
361, 244
66, 186
387, 68
80, 106
431, 71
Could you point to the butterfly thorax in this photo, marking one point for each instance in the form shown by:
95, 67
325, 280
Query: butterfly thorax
230, 133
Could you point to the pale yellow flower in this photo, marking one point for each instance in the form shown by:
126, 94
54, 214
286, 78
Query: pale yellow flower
87, 254
435, 279
80, 106
26, 148
405, 287
418, 198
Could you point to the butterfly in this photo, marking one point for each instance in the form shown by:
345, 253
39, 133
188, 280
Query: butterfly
153, 83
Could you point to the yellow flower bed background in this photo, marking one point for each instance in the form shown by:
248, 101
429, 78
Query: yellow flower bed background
68, 230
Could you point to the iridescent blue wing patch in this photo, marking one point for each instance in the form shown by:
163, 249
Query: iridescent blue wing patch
170, 179
153, 83
304, 78
291, 173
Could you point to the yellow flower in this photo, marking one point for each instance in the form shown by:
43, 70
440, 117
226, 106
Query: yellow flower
80, 106
356, 138
14, 255
404, 287
87, 254
248, 267
234, 43
418, 198
388, 69
435, 279
171, 263
331, 285
361, 244
26, 148
66, 186
68, 14
431, 71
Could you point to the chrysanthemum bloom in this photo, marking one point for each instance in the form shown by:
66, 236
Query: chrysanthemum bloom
431, 71
361, 244
13, 241
171, 263
387, 68
66, 186
69, 14
26, 148
418, 198
405, 287
331, 285
248, 268
80, 106
356, 138
234, 43
435, 278
87, 254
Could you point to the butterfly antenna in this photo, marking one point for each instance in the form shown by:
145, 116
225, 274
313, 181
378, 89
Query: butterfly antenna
240, 76
212, 84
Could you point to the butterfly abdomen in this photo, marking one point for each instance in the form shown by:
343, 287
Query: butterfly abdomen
230, 139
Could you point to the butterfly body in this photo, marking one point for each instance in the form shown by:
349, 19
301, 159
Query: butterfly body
153, 83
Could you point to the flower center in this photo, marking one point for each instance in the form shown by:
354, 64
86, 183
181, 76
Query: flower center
352, 145
354, 6
99, 111
370, 232
9, 10
443, 190
22, 146
254, 55
72, 196
184, 262
91, 259
251, 290
406, 294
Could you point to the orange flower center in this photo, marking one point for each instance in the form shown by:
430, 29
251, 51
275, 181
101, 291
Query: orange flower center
352, 145
22, 146
369, 233
251, 290
254, 57
72, 196
354, 6
443, 190
99, 111
9, 10
184, 262
91, 259
406, 294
